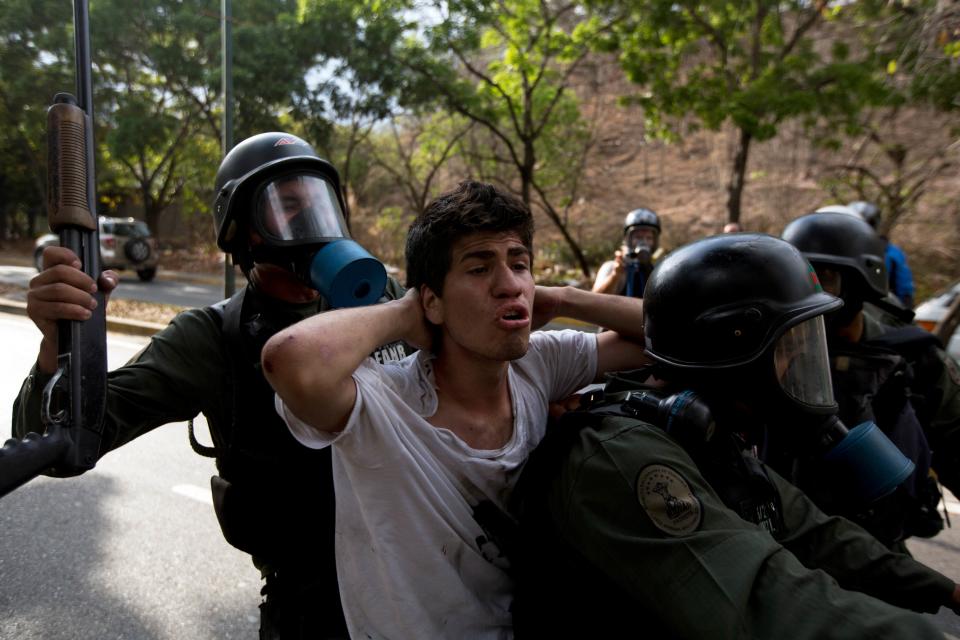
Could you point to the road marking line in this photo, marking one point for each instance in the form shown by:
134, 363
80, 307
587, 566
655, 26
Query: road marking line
200, 494
952, 507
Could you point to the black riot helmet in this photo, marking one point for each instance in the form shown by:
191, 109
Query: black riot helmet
868, 211
276, 185
641, 218
742, 309
846, 244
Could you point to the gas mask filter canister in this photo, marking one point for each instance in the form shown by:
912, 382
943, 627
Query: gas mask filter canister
347, 275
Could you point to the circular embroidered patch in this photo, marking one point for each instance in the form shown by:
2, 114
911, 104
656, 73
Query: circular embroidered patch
667, 498
952, 369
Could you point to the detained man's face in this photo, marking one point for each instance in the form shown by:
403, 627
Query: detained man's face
487, 302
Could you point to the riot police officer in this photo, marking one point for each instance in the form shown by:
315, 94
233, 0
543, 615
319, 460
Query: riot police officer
898, 376
632, 263
279, 212
898, 271
651, 509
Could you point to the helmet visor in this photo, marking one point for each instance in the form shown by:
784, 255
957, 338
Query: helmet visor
298, 209
803, 365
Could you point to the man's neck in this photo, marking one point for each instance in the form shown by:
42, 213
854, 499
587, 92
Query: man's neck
473, 399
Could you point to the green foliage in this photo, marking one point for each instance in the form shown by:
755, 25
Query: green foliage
507, 65
750, 64
904, 62
35, 63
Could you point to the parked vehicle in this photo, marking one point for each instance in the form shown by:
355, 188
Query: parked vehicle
931, 311
125, 243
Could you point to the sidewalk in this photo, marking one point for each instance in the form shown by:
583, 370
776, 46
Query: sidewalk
118, 325
15, 304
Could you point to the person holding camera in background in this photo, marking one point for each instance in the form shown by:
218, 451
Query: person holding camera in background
627, 273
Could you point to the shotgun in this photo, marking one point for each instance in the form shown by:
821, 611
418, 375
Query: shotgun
73, 401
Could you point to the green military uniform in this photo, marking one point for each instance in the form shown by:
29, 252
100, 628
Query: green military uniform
268, 485
937, 383
627, 534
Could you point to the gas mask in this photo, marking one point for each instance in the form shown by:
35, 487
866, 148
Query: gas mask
861, 463
299, 226
639, 247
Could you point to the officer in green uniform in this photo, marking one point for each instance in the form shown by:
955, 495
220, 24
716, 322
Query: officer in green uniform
278, 211
658, 517
871, 356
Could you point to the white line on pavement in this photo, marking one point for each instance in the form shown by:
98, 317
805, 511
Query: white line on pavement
200, 494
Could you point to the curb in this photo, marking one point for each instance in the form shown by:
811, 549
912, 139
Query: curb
193, 276
117, 325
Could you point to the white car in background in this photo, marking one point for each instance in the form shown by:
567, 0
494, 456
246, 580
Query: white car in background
125, 243
930, 312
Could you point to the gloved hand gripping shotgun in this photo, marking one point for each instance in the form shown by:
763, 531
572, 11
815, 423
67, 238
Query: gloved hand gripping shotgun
73, 401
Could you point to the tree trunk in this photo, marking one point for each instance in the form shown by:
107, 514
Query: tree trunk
151, 212
555, 218
738, 176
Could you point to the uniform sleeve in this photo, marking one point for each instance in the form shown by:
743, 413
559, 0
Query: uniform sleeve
944, 429
26, 406
172, 379
714, 575
856, 559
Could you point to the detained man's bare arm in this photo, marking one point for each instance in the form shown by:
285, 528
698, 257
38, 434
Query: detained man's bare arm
621, 347
311, 364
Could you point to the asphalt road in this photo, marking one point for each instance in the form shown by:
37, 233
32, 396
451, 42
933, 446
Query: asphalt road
131, 549
192, 292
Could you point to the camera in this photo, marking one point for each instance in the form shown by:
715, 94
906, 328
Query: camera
639, 254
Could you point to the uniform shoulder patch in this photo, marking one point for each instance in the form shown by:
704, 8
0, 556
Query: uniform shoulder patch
667, 498
951, 366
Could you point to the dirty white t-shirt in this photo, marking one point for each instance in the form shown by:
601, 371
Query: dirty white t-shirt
412, 559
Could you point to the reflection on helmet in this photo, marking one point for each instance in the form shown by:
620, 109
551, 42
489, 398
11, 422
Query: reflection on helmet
644, 217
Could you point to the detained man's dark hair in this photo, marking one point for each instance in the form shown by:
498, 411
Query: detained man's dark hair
471, 207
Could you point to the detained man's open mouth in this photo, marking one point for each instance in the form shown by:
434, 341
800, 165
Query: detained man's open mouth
513, 316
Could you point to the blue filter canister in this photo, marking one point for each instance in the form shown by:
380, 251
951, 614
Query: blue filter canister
866, 465
347, 275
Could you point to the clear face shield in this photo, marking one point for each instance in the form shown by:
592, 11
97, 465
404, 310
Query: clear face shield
803, 364
861, 464
299, 220
298, 209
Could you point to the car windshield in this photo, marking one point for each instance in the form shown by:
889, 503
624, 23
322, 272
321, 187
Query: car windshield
130, 229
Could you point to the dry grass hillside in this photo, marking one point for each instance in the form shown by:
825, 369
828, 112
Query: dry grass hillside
686, 184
